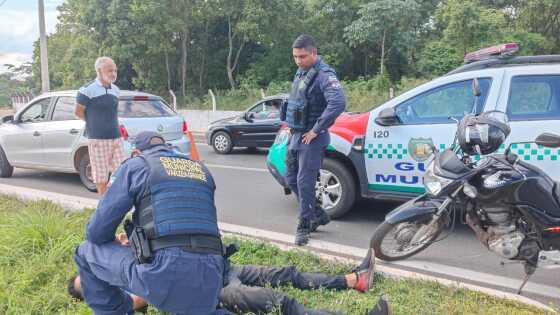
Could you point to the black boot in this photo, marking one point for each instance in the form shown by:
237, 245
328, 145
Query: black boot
382, 308
321, 218
303, 231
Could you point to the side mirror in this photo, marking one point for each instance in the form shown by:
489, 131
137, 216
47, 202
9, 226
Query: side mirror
548, 140
387, 117
8, 118
249, 116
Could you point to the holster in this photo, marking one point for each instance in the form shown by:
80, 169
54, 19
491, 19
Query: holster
139, 242
283, 110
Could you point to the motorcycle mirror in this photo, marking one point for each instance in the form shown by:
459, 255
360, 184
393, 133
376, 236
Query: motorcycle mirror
548, 140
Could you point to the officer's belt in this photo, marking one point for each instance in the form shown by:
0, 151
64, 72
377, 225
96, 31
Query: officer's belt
200, 244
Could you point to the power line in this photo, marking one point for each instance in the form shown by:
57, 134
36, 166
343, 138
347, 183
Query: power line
2, 2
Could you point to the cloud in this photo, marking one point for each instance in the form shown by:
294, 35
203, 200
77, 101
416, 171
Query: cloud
14, 59
19, 29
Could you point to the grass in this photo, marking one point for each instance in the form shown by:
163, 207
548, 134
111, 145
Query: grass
362, 95
37, 241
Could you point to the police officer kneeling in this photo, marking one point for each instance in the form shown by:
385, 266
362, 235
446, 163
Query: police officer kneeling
175, 259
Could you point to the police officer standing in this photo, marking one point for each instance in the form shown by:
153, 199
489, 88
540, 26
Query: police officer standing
175, 259
315, 101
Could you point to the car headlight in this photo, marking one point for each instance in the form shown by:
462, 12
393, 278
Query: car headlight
282, 136
433, 183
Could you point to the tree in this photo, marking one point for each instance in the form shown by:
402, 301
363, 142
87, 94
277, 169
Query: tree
385, 23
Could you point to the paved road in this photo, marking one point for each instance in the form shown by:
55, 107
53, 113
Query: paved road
247, 195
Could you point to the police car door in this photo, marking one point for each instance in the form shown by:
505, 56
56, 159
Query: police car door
397, 154
531, 99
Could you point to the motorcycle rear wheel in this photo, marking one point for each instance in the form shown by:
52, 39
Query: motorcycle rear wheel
386, 230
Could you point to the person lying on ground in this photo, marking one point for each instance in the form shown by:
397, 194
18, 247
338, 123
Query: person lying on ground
248, 288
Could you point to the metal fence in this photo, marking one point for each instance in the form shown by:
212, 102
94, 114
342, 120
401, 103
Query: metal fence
20, 99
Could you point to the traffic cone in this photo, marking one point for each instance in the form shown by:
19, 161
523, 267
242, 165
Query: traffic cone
194, 151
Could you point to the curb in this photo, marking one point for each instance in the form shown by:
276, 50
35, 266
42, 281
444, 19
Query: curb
326, 250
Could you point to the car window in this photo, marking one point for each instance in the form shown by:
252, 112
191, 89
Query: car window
450, 100
266, 110
64, 109
36, 112
534, 97
143, 108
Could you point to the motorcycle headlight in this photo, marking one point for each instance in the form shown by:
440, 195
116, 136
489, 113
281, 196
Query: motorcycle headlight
433, 183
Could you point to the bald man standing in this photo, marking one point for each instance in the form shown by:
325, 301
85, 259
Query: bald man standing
97, 104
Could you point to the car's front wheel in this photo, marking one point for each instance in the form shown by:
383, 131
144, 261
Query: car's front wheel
335, 189
221, 142
6, 169
84, 168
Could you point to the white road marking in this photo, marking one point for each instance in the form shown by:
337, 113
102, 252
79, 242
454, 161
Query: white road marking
338, 252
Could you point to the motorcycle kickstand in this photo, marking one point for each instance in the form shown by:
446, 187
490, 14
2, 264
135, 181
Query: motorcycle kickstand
529, 270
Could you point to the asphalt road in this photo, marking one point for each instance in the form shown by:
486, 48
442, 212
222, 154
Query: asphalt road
248, 195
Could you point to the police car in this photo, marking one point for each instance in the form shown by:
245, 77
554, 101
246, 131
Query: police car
383, 153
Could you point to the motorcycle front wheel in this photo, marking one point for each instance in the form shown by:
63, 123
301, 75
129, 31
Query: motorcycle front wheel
398, 241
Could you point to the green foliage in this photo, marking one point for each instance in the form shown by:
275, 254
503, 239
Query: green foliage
438, 58
16, 80
38, 241
193, 46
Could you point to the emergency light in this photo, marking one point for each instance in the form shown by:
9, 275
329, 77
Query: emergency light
498, 51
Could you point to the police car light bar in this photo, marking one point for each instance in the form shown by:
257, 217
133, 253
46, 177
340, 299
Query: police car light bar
502, 50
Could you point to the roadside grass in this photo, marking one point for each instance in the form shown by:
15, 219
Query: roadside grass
361, 94
37, 241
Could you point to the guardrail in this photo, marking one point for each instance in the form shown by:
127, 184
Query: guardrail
198, 120
20, 99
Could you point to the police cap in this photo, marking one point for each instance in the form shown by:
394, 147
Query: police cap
148, 139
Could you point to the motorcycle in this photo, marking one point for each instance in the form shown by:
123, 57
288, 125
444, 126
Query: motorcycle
512, 206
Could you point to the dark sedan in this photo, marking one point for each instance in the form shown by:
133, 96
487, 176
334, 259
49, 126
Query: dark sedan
256, 127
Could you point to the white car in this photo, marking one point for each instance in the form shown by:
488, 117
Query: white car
45, 133
383, 153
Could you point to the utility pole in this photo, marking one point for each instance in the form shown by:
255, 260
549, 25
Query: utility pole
45, 84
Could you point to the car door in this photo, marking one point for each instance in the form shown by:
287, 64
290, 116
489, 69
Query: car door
63, 131
531, 99
263, 125
396, 155
25, 145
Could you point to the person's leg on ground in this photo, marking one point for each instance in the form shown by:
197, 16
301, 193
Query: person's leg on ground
278, 276
101, 277
240, 298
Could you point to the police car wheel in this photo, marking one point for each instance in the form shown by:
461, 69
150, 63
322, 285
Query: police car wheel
221, 142
6, 169
84, 168
335, 188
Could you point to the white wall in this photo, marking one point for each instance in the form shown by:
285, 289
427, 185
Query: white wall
198, 120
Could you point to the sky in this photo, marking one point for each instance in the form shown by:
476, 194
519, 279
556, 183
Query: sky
19, 28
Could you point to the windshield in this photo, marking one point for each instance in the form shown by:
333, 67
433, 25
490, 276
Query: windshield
144, 108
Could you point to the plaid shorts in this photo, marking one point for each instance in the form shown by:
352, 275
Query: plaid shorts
105, 156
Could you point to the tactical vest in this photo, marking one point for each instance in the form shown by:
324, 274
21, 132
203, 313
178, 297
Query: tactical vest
298, 109
179, 199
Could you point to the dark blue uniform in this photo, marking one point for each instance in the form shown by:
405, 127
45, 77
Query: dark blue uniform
176, 280
325, 102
